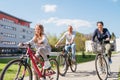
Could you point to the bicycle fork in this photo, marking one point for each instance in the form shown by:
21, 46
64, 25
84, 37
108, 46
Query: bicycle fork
106, 58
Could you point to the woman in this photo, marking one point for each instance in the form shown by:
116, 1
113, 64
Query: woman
41, 44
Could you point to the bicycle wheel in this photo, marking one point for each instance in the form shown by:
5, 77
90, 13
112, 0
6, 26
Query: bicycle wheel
63, 67
16, 70
53, 72
73, 64
101, 67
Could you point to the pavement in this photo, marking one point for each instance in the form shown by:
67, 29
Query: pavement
86, 71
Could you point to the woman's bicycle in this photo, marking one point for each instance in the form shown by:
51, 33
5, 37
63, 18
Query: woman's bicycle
102, 64
64, 60
19, 69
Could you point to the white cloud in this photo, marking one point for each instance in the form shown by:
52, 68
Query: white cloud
65, 22
115, 0
49, 8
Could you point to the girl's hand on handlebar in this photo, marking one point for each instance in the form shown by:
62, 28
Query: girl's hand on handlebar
20, 44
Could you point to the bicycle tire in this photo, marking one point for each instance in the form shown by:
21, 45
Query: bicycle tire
4, 71
96, 67
73, 64
54, 70
63, 66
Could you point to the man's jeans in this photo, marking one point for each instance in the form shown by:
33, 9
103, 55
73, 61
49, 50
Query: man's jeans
73, 48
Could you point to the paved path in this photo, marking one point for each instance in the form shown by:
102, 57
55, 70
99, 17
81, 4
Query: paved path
86, 71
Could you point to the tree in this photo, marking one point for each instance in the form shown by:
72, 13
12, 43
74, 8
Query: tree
113, 37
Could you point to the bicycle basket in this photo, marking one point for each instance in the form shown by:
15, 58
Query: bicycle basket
96, 47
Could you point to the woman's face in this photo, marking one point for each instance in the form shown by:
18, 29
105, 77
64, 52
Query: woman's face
37, 30
100, 26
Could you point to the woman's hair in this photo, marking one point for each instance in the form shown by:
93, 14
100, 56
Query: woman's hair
36, 36
100, 23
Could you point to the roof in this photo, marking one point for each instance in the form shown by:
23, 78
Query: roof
14, 16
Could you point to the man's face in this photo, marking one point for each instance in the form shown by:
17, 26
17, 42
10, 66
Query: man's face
100, 26
70, 29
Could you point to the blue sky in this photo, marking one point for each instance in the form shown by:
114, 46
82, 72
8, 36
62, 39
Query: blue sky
56, 15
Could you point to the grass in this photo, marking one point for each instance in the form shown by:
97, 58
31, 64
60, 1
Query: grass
3, 62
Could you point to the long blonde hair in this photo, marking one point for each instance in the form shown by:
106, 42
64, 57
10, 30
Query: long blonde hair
36, 36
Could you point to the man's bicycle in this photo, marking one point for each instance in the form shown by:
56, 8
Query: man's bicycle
64, 60
102, 64
19, 69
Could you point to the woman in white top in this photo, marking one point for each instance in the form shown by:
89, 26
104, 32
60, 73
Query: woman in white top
41, 44
70, 41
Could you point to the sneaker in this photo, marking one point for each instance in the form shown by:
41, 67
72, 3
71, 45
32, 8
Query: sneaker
110, 60
47, 65
73, 60
42, 78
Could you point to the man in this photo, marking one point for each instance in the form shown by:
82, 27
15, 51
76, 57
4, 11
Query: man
103, 34
70, 41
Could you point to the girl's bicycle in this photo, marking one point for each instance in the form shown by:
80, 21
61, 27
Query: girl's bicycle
20, 69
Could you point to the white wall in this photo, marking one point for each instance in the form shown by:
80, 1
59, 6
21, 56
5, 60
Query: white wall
118, 44
88, 46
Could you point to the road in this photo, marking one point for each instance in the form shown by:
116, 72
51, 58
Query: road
86, 71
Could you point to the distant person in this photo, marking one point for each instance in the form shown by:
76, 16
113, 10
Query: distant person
103, 34
42, 46
70, 41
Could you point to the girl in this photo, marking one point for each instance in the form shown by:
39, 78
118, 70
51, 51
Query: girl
41, 44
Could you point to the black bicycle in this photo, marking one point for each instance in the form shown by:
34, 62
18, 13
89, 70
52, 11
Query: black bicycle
101, 61
64, 60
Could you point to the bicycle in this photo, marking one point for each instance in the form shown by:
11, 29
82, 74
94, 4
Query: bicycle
102, 65
20, 69
65, 60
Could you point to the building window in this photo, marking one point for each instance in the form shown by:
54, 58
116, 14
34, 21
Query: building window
8, 42
7, 20
23, 30
8, 27
8, 35
22, 36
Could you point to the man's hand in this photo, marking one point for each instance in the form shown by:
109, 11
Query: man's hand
56, 45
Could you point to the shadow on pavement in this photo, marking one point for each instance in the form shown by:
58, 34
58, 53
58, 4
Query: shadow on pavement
114, 75
80, 74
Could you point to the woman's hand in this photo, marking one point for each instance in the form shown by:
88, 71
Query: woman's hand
107, 39
40, 42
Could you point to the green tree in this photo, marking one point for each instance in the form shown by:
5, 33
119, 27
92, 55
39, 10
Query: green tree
113, 37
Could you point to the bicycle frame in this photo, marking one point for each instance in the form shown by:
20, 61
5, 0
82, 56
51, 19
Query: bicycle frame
33, 58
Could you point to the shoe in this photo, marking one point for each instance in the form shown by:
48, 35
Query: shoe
42, 78
73, 60
47, 65
110, 60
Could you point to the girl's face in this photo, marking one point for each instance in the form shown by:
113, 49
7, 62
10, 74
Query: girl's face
37, 30
100, 26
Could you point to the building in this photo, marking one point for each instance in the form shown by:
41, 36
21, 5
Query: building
12, 31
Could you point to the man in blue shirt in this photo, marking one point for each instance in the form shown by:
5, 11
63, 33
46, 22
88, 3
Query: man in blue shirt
103, 34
